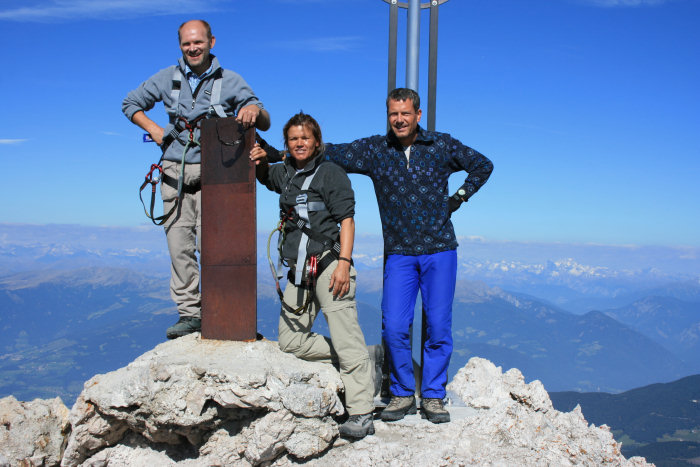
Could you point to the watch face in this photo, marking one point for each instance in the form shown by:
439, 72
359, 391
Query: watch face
461, 192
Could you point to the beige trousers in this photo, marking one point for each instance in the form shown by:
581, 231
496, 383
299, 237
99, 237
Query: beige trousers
183, 230
346, 347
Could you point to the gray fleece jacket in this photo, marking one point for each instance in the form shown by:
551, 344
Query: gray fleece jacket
235, 94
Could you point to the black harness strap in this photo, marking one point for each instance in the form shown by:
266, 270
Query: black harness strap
172, 182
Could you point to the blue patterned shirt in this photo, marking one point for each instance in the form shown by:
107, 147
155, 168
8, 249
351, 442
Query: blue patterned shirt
412, 196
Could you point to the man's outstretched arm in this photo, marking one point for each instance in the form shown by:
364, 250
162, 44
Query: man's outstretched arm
353, 157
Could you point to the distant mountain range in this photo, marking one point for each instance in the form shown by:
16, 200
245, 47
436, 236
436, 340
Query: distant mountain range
590, 352
91, 285
660, 422
576, 277
61, 327
670, 322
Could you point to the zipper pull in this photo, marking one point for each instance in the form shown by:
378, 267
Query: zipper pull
193, 101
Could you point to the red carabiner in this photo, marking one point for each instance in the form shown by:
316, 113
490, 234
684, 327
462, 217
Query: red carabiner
313, 266
149, 176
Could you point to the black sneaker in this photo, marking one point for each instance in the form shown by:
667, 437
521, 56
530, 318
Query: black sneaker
398, 408
357, 426
184, 326
434, 410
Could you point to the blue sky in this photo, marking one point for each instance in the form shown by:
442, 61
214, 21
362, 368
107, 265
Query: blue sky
589, 109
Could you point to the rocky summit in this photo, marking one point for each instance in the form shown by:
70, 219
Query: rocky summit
197, 402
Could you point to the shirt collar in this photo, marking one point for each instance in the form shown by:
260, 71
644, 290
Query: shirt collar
422, 136
189, 72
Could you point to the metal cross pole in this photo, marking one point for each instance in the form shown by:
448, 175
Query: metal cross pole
412, 62
412, 44
413, 49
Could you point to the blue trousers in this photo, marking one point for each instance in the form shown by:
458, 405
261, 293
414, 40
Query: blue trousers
435, 275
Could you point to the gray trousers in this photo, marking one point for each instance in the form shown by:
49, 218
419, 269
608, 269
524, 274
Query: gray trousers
183, 232
346, 347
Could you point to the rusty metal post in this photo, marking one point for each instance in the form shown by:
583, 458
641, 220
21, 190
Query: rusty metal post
229, 266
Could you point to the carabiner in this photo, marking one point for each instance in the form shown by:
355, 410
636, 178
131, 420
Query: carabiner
154, 179
312, 267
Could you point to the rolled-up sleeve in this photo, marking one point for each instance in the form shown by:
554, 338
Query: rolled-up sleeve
151, 91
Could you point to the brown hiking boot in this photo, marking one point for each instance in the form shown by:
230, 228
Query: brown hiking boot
398, 408
434, 410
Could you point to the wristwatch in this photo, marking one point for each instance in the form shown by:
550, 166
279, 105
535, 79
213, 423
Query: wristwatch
460, 195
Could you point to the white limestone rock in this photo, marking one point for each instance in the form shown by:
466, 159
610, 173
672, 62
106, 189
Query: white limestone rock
509, 423
184, 391
482, 385
193, 402
32, 433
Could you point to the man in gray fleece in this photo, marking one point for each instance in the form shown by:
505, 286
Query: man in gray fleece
196, 88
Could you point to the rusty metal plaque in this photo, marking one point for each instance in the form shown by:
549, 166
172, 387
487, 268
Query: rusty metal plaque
229, 265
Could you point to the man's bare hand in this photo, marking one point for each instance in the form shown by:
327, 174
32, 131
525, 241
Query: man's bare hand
157, 135
148, 125
248, 115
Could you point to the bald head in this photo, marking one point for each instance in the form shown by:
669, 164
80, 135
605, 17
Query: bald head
194, 22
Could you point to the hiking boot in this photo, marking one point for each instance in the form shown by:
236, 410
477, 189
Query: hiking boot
434, 410
185, 325
357, 426
376, 358
399, 407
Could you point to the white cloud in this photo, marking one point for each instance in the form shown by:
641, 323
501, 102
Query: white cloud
624, 3
61, 10
323, 44
12, 141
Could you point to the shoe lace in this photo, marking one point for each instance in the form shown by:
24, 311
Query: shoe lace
358, 418
396, 402
434, 405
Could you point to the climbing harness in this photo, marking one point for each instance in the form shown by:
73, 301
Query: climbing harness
307, 268
160, 175
180, 124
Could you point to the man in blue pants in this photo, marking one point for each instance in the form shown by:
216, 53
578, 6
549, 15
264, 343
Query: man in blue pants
410, 167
